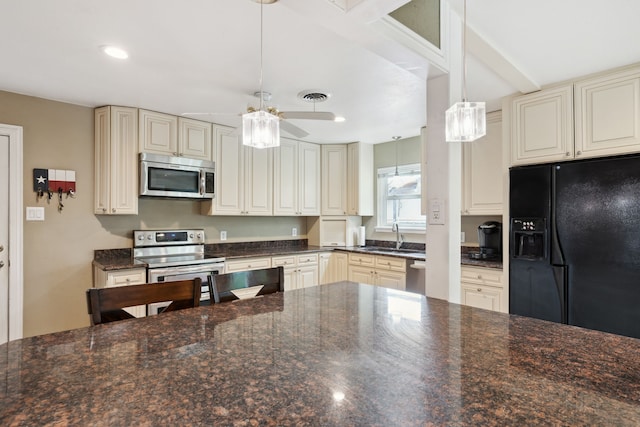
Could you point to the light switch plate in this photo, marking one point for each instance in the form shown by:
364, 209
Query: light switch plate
294, 232
223, 235
436, 211
35, 213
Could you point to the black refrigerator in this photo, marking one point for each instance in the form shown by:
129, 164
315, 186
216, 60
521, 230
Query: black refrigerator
574, 243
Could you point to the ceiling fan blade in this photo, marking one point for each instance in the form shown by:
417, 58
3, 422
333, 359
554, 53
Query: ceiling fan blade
293, 129
210, 114
308, 115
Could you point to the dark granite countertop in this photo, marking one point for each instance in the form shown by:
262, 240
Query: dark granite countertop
119, 259
339, 354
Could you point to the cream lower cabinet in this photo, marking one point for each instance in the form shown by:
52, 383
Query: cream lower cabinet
483, 288
131, 276
116, 161
333, 267
389, 272
245, 264
300, 271
481, 177
244, 177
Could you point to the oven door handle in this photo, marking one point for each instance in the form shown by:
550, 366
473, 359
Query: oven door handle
185, 270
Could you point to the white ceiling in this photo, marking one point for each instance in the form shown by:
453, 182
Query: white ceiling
204, 55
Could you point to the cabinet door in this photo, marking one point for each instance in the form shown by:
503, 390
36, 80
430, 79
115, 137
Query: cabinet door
290, 278
307, 276
608, 114
542, 126
194, 139
158, 133
361, 274
116, 161
391, 279
481, 296
308, 179
258, 181
334, 179
229, 180
134, 276
324, 268
360, 179
341, 270
482, 178
285, 178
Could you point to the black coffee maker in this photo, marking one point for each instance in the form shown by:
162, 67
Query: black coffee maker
490, 239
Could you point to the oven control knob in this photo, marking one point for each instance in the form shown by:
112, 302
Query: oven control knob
199, 236
150, 237
191, 236
140, 237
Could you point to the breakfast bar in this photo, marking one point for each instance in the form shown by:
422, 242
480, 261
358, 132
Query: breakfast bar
338, 354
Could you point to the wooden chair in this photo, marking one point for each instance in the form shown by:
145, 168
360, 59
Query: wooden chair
222, 285
107, 304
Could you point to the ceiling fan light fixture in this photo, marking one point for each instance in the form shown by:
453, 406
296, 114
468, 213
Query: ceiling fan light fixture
260, 129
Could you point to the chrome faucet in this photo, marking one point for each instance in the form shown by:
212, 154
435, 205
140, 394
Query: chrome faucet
399, 237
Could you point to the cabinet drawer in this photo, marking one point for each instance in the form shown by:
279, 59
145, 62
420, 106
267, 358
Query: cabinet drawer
481, 276
485, 297
361, 259
247, 264
284, 261
126, 277
390, 263
308, 259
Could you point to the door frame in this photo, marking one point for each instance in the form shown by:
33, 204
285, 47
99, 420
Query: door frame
16, 229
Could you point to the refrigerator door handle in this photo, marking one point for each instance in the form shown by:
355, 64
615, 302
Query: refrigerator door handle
557, 256
560, 278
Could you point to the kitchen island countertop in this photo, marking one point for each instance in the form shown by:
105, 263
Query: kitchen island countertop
338, 354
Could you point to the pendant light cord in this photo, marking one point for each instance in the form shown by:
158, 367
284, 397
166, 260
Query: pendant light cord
261, 55
464, 51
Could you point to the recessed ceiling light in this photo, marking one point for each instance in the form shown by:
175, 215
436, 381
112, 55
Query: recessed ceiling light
339, 119
115, 52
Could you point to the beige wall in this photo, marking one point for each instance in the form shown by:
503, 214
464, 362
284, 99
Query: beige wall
58, 252
469, 225
384, 155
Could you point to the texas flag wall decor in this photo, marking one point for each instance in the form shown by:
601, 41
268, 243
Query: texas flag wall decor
54, 180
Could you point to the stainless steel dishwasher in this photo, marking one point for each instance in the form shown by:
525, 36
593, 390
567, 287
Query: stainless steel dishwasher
416, 276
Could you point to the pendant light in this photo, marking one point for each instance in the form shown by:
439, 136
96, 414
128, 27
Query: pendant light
465, 121
261, 129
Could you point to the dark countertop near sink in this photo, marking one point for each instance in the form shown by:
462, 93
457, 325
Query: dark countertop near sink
331, 355
118, 259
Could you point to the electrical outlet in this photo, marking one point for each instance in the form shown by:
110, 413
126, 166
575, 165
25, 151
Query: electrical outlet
294, 232
223, 235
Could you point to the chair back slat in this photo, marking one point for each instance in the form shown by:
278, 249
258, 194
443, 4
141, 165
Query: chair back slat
107, 304
221, 285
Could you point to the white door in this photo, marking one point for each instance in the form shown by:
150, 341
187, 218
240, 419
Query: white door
10, 233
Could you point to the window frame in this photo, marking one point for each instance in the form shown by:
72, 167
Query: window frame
383, 224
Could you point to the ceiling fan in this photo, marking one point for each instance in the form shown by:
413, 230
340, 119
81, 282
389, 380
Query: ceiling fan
285, 116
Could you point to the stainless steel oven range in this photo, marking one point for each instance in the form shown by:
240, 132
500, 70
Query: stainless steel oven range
173, 255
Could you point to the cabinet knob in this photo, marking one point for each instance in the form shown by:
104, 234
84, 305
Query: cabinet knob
104, 210
113, 210
479, 289
567, 154
579, 153
479, 276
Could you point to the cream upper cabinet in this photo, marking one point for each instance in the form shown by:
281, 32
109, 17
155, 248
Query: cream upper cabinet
244, 177
607, 119
116, 161
296, 178
482, 171
194, 139
360, 179
334, 180
542, 126
158, 133
174, 136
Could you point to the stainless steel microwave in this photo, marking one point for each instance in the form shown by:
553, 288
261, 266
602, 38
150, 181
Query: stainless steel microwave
166, 176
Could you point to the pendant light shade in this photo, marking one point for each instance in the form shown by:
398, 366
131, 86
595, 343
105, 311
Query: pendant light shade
260, 129
465, 121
